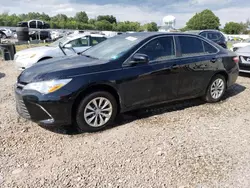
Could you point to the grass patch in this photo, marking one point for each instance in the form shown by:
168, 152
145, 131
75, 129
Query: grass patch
26, 46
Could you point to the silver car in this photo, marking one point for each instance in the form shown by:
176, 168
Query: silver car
244, 59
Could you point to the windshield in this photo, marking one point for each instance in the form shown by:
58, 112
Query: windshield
61, 40
113, 48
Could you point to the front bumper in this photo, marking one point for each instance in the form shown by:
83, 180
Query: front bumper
46, 110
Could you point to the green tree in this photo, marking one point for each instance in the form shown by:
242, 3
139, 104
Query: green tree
92, 21
104, 25
110, 18
233, 28
203, 20
150, 27
81, 17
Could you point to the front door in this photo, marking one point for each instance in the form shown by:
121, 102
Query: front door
156, 81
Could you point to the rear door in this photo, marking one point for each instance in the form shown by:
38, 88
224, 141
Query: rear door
197, 64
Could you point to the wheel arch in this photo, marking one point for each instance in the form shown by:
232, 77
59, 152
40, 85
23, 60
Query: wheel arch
223, 73
44, 58
97, 87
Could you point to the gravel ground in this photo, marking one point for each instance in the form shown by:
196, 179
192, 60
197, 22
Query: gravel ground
186, 144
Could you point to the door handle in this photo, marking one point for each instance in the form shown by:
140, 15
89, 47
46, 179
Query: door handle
175, 66
213, 60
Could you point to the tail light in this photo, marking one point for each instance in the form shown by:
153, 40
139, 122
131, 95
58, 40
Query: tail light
236, 59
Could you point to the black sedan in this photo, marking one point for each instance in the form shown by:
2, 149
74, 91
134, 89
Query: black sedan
123, 73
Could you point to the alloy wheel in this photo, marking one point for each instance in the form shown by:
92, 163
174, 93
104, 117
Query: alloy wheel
217, 88
98, 112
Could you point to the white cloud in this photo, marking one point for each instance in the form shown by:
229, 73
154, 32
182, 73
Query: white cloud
183, 11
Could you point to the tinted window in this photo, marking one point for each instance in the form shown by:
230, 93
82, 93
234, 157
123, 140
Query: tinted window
213, 36
209, 48
191, 46
39, 24
32, 24
159, 49
96, 40
204, 34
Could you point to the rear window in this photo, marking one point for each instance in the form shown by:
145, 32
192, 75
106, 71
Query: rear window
209, 48
191, 46
213, 36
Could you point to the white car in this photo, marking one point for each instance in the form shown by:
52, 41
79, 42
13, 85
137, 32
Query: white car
68, 45
240, 45
7, 33
56, 35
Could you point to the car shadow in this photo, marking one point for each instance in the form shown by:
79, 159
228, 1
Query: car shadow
2, 75
244, 74
129, 117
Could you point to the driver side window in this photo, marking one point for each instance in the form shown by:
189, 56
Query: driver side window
159, 49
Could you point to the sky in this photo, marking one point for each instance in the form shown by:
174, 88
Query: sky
135, 10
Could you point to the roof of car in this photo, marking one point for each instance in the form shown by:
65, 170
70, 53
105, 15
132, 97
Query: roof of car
199, 31
150, 34
75, 36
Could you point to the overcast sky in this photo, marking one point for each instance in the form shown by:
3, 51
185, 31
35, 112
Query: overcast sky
135, 10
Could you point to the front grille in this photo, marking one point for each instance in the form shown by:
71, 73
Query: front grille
21, 108
246, 58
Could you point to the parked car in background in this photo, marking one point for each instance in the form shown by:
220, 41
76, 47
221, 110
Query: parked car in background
35, 24
6, 33
124, 73
239, 45
244, 59
67, 45
2, 35
213, 35
42, 35
57, 34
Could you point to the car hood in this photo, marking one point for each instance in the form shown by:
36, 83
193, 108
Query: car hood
42, 49
61, 67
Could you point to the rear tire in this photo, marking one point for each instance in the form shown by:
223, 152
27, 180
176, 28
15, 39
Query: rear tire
216, 89
96, 111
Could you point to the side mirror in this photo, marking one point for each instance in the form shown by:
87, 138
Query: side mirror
139, 59
68, 46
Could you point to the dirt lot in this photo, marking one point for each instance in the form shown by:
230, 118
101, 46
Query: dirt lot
186, 144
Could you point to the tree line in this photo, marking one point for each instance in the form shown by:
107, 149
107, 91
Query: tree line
208, 20
79, 21
200, 21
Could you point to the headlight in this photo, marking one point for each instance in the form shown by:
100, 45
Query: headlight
46, 87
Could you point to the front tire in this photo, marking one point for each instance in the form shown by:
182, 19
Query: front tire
96, 111
216, 89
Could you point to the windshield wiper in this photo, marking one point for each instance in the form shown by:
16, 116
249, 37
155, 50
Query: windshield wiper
61, 48
89, 56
